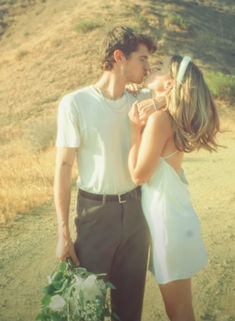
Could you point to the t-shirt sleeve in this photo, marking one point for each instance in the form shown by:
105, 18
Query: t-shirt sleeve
68, 124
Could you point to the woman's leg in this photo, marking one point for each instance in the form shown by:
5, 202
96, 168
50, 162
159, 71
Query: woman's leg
177, 297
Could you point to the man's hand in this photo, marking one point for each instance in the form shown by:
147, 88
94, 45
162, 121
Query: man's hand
65, 249
134, 89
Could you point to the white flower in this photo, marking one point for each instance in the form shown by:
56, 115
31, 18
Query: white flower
77, 286
79, 281
90, 288
57, 303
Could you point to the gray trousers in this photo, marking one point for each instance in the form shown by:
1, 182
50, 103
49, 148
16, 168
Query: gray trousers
113, 238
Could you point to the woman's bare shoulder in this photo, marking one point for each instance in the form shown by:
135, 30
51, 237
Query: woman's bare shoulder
160, 118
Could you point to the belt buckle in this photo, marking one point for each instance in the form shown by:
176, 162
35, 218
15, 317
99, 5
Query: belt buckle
120, 199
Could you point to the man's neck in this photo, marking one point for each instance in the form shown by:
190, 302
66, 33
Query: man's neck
111, 85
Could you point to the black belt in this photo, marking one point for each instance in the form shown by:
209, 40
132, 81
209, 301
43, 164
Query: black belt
121, 198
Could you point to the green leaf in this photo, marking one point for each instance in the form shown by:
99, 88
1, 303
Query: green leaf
63, 267
57, 276
46, 300
57, 317
58, 284
63, 286
49, 289
44, 315
39, 317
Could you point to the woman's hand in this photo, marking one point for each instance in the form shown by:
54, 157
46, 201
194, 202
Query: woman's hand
141, 110
149, 106
145, 109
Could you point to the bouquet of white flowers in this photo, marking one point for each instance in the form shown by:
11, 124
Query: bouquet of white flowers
74, 294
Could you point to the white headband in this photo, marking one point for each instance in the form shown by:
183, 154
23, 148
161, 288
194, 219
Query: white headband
183, 66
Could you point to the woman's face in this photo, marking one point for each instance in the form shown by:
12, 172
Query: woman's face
159, 77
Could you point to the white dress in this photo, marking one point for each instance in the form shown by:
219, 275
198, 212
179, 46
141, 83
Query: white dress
178, 251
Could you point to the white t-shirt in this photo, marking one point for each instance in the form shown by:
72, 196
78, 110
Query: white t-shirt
100, 129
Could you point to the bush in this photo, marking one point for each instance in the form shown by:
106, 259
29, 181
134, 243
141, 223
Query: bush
142, 23
87, 26
178, 21
221, 85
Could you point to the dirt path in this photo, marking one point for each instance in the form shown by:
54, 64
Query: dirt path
28, 246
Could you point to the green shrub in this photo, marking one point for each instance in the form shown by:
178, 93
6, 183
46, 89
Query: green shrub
221, 85
178, 21
142, 23
87, 26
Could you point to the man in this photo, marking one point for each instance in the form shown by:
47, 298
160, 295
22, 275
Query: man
93, 126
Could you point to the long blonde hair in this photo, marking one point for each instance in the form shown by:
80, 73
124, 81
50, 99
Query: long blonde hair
194, 113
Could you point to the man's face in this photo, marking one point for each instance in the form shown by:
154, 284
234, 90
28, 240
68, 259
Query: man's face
136, 67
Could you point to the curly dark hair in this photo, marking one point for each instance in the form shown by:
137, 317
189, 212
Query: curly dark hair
125, 39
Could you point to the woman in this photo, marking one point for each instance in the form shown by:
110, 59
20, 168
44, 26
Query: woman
188, 122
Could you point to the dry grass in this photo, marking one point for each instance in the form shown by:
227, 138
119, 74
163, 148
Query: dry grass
25, 182
85, 26
227, 116
53, 48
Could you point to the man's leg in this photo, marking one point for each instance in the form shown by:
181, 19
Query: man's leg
129, 265
98, 233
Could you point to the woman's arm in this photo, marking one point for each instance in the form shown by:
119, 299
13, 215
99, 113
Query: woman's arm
147, 146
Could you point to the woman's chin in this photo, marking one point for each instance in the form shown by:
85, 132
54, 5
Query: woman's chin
156, 89
153, 85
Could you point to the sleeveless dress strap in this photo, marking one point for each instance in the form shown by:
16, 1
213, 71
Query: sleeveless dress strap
170, 155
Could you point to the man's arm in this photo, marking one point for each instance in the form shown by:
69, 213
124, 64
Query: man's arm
62, 195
